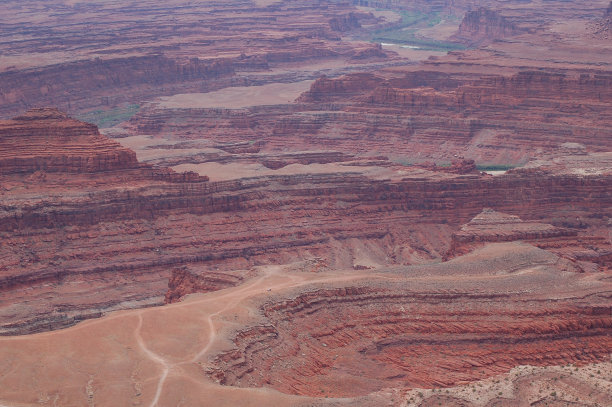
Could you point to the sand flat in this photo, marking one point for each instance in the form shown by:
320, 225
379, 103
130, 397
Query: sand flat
238, 97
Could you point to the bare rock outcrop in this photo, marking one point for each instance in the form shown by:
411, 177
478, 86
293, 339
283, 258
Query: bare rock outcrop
183, 282
484, 25
345, 22
48, 140
492, 226
325, 89
417, 116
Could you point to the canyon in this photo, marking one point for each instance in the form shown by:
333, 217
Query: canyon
74, 61
343, 203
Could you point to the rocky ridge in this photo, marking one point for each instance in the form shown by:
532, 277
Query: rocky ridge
418, 334
414, 116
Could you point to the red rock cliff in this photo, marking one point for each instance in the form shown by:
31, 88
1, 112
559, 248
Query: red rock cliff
484, 25
48, 140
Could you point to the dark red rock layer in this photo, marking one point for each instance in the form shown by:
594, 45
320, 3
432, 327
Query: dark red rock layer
138, 230
344, 23
353, 340
184, 282
467, 194
48, 140
110, 80
328, 90
588, 248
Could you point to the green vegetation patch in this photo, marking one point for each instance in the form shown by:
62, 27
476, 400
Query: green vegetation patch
405, 32
495, 167
111, 117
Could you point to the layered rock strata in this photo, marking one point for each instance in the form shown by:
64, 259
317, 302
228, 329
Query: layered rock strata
140, 223
103, 83
602, 27
491, 226
78, 65
418, 116
435, 326
588, 247
48, 140
184, 282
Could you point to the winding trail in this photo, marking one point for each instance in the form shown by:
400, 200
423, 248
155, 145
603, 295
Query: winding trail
155, 357
160, 356
212, 334
235, 296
